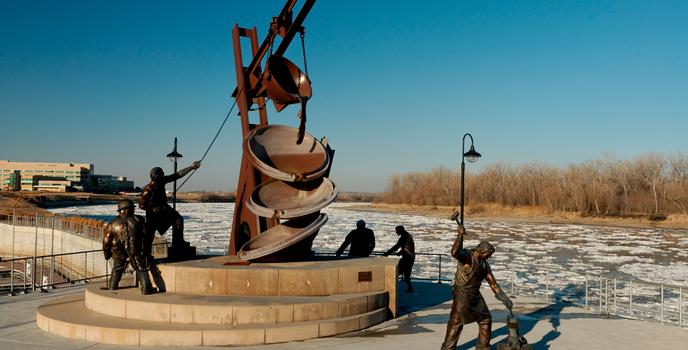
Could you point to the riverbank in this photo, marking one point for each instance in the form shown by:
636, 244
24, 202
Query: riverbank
493, 212
43, 200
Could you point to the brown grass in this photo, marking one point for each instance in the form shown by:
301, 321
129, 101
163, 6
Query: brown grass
532, 214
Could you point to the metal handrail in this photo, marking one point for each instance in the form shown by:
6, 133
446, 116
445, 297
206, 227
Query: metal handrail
598, 291
57, 223
67, 269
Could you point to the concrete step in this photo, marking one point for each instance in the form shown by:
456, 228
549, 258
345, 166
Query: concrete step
68, 317
128, 303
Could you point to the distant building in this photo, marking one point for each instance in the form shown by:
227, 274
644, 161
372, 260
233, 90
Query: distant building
58, 177
124, 185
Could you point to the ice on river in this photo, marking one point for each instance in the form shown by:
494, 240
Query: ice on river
656, 255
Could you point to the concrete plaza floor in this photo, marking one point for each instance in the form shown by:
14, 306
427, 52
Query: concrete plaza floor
546, 325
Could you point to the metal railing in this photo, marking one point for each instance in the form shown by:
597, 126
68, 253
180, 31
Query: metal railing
66, 224
606, 293
54, 270
43, 241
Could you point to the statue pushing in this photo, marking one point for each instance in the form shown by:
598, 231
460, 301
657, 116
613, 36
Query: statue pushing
123, 241
468, 305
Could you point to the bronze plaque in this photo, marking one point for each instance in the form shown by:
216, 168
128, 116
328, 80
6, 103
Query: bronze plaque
365, 276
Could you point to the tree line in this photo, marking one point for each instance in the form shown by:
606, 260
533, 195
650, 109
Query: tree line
652, 184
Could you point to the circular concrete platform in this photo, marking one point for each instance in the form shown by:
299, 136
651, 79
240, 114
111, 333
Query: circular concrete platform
215, 301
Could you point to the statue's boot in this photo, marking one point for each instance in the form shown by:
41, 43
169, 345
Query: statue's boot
115, 277
157, 276
178, 234
144, 282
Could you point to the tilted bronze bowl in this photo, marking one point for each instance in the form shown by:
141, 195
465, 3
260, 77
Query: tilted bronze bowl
273, 152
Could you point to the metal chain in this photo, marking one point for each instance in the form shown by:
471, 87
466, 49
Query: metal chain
303, 50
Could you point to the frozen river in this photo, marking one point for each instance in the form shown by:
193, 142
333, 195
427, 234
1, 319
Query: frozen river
657, 255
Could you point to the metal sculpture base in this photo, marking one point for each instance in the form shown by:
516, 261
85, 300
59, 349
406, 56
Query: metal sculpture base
514, 341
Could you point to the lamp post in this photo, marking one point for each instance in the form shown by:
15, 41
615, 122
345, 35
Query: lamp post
472, 155
174, 156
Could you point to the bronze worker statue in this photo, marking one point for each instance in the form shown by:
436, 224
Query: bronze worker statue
123, 242
160, 216
469, 305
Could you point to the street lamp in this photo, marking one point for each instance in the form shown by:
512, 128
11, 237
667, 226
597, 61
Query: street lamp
173, 156
472, 155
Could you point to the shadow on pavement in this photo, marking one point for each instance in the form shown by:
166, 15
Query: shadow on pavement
430, 294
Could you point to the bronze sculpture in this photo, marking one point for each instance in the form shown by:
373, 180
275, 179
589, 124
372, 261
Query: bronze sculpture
468, 305
362, 241
123, 241
159, 215
407, 253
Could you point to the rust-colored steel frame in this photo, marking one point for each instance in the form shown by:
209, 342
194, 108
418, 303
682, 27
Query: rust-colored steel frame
249, 91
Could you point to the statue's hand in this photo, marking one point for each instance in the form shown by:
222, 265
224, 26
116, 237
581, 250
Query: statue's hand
196, 164
501, 296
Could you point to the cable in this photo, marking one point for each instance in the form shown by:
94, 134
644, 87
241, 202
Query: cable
212, 142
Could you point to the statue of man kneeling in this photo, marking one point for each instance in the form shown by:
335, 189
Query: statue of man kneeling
123, 242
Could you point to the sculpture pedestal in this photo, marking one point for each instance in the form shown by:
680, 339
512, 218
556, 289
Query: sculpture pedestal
181, 253
217, 302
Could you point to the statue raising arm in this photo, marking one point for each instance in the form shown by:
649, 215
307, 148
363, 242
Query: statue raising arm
181, 173
458, 252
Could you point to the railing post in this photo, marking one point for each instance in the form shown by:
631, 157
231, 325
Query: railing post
600, 294
52, 252
586, 290
26, 269
661, 303
42, 271
35, 237
630, 298
14, 221
546, 283
52, 236
606, 295
34, 276
615, 295
52, 271
439, 271
85, 266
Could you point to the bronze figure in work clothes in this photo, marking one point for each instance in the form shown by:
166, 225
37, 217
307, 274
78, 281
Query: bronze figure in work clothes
469, 305
362, 241
159, 215
123, 241
407, 253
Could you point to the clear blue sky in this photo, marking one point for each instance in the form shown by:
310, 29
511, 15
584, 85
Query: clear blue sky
396, 83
